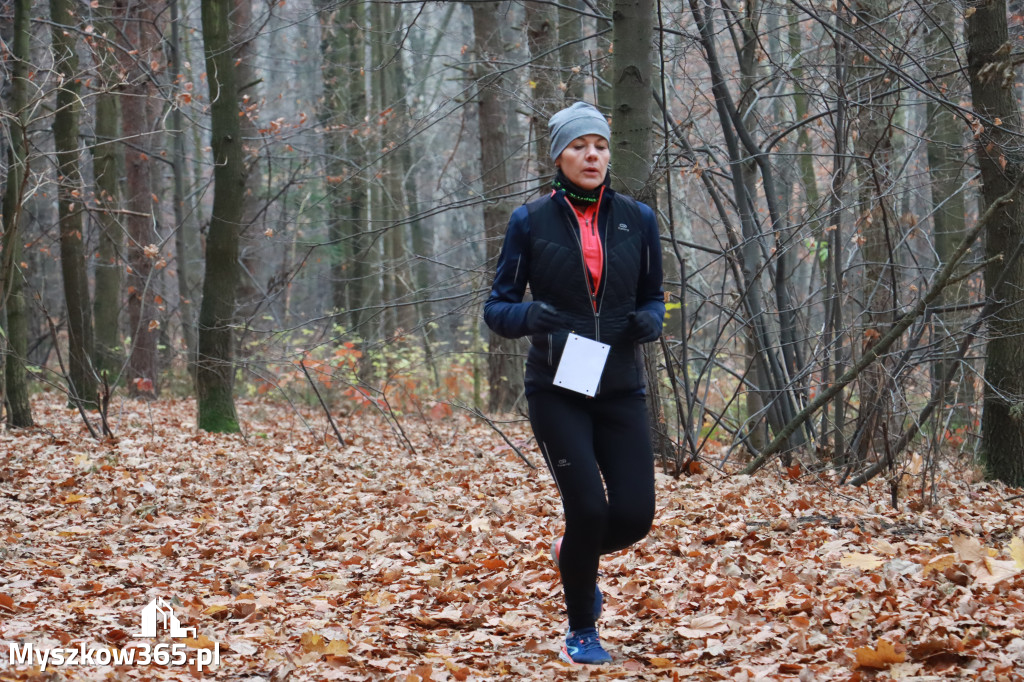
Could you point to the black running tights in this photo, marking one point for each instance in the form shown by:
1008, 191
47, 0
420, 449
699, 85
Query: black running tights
599, 452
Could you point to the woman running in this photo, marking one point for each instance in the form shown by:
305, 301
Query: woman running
592, 260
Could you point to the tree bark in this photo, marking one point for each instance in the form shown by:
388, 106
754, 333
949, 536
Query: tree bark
631, 144
504, 363
545, 100
139, 129
872, 121
82, 379
12, 298
757, 397
997, 131
188, 253
395, 117
945, 135
632, 116
570, 30
215, 368
336, 74
250, 293
105, 169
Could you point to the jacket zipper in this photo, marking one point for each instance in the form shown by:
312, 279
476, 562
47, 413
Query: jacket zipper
595, 303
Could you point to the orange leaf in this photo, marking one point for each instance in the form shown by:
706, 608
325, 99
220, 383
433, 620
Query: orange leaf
202, 642
311, 641
882, 657
939, 564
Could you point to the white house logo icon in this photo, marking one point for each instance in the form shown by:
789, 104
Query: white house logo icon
159, 611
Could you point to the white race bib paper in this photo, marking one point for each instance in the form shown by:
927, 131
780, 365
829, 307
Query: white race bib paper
581, 365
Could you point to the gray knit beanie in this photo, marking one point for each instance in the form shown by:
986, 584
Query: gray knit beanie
578, 120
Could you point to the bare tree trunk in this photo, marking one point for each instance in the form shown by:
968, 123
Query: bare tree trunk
602, 67
875, 109
105, 169
188, 253
82, 377
395, 130
632, 115
570, 30
757, 395
631, 144
12, 298
250, 292
504, 363
945, 135
542, 39
216, 370
342, 82
998, 129
142, 251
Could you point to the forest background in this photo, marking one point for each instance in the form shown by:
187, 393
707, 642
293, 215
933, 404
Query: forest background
302, 203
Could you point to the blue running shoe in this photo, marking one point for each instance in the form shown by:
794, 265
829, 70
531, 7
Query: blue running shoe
556, 548
584, 646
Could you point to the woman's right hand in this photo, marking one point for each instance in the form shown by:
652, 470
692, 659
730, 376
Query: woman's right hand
542, 317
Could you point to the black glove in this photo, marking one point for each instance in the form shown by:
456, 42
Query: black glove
643, 326
541, 317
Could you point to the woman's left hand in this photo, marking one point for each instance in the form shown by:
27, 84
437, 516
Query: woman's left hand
644, 326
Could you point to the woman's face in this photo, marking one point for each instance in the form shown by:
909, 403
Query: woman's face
585, 161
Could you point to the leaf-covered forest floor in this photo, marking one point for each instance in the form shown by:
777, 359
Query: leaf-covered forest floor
305, 560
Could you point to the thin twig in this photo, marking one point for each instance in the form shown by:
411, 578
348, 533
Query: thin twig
477, 413
105, 406
72, 394
322, 403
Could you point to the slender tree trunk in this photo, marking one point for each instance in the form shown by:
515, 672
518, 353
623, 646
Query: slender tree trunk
873, 152
632, 115
757, 394
188, 253
82, 378
357, 232
602, 67
631, 144
945, 135
12, 298
396, 126
378, 246
504, 364
998, 129
215, 371
105, 169
341, 81
541, 39
570, 30
142, 251
249, 294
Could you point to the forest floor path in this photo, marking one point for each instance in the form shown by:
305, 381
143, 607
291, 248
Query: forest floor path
296, 558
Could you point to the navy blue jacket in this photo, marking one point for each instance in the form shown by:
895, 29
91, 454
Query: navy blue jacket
542, 249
